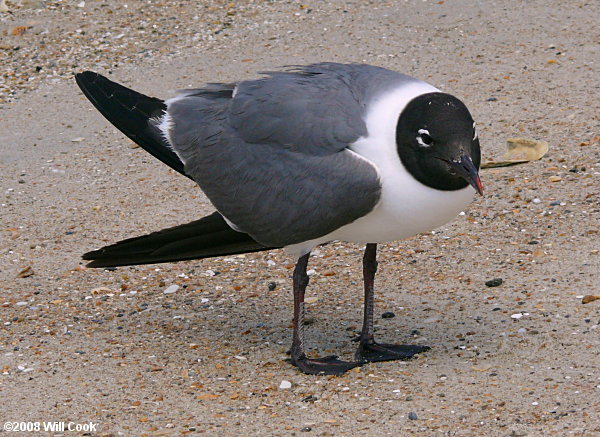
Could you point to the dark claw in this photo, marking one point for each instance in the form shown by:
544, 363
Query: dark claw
372, 352
329, 365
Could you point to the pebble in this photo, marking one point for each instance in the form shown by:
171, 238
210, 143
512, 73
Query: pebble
272, 286
25, 369
536, 200
285, 385
589, 298
388, 315
412, 415
26, 272
494, 282
171, 289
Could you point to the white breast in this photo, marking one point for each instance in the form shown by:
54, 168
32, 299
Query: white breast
407, 207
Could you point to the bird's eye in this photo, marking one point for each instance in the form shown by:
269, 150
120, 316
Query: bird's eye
424, 139
427, 139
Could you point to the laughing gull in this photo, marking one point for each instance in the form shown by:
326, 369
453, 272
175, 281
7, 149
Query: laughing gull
299, 158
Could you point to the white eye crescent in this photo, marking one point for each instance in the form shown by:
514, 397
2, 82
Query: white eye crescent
424, 139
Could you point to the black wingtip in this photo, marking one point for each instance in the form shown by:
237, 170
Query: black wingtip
96, 260
84, 78
131, 113
85, 73
91, 255
207, 237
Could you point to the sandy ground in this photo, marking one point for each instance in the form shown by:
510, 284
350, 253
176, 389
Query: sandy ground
111, 348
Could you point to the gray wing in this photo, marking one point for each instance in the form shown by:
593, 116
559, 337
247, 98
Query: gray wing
272, 155
307, 111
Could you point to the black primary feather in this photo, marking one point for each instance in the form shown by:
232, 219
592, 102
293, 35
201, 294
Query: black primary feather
205, 238
131, 113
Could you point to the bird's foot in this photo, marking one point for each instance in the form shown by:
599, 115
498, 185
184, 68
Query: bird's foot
372, 352
329, 365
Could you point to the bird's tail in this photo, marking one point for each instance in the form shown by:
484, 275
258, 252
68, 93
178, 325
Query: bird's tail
132, 113
135, 115
205, 238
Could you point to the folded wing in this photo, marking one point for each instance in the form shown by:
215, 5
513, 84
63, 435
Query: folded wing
273, 157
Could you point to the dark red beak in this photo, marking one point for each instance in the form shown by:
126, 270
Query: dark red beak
464, 167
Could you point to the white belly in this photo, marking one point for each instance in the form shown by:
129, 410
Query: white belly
406, 214
410, 209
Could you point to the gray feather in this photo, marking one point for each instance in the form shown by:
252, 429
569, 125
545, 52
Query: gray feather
273, 159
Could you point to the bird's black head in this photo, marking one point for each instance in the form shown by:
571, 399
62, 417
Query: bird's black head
437, 142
